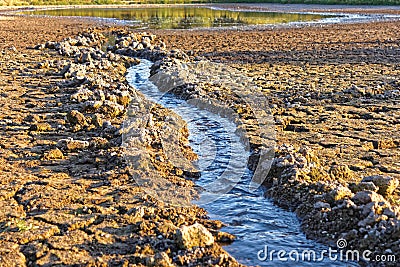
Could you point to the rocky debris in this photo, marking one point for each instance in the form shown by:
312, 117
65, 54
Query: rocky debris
93, 198
112, 109
307, 92
71, 144
83, 94
99, 142
41, 127
364, 214
53, 154
224, 237
195, 235
76, 118
341, 172
369, 186
339, 193
386, 185
364, 197
298, 180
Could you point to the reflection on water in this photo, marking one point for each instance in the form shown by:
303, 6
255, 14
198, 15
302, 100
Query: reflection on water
183, 17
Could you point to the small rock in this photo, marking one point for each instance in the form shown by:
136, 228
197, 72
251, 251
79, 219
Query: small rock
224, 237
162, 259
84, 58
124, 98
32, 118
112, 109
76, 118
97, 120
386, 184
364, 197
338, 193
41, 127
99, 142
71, 144
53, 154
92, 105
321, 205
341, 172
384, 143
83, 94
370, 186
195, 235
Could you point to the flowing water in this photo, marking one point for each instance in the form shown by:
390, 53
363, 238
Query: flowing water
258, 225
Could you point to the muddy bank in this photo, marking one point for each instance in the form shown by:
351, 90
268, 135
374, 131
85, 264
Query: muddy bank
67, 195
332, 92
332, 203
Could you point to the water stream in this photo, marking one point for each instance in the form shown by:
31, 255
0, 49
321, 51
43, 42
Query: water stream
253, 219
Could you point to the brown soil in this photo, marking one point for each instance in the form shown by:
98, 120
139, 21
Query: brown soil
324, 85
332, 88
77, 205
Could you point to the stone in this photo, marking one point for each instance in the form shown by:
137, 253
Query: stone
32, 118
40, 127
195, 235
162, 259
363, 186
76, 118
224, 237
99, 142
92, 105
341, 172
339, 193
364, 197
97, 120
124, 98
71, 144
384, 143
53, 154
10, 254
83, 94
112, 109
84, 58
386, 184
321, 205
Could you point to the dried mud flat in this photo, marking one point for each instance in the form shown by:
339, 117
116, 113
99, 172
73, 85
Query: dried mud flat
66, 196
333, 89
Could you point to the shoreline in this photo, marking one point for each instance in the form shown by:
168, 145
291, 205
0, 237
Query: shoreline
349, 14
267, 7
344, 173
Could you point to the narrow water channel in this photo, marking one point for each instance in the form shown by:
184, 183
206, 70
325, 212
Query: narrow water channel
258, 225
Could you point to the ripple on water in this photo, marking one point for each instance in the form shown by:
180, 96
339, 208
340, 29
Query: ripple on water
253, 219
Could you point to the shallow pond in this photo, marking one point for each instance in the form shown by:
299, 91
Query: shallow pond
183, 17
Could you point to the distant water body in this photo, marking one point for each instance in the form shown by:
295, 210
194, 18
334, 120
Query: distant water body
185, 17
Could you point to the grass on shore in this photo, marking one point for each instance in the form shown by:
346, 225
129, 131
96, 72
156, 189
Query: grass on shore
127, 2
323, 2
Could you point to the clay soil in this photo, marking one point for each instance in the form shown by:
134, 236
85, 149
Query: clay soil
332, 88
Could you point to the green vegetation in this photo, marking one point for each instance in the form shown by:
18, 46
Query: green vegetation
323, 2
182, 17
57, 2
127, 2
